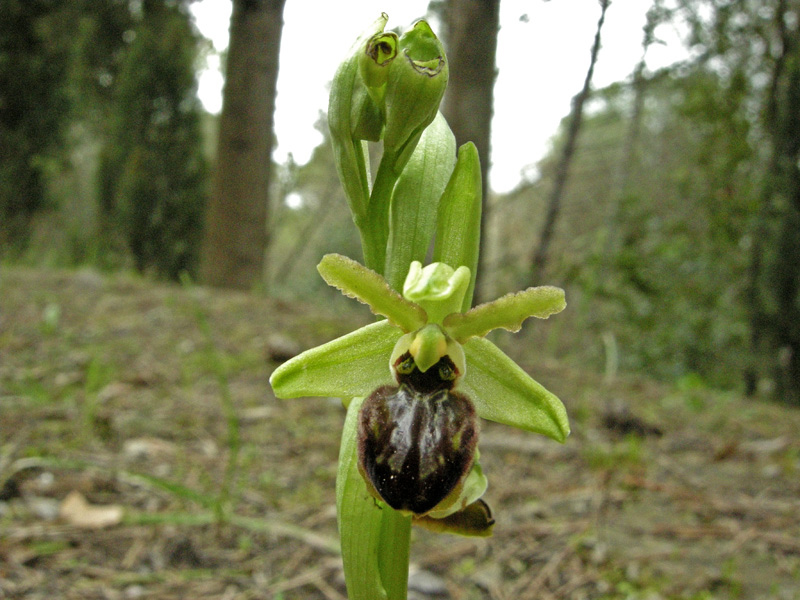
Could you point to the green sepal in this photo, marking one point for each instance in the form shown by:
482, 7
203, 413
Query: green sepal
507, 312
352, 365
458, 230
357, 281
503, 392
415, 199
375, 540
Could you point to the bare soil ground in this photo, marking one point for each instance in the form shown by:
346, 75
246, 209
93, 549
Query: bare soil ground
143, 455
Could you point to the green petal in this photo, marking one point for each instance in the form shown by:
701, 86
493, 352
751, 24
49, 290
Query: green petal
352, 365
438, 288
357, 281
504, 393
507, 312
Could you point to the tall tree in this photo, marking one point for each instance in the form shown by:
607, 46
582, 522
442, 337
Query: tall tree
539, 259
153, 172
235, 240
775, 295
471, 28
33, 110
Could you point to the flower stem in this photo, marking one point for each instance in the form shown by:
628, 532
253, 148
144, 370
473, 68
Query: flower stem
375, 234
394, 552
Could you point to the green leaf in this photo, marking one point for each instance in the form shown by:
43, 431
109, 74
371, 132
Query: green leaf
415, 199
352, 365
393, 553
504, 393
358, 517
375, 540
356, 281
507, 312
458, 229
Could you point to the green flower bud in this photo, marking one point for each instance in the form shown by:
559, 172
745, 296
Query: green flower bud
354, 117
415, 86
406, 78
374, 63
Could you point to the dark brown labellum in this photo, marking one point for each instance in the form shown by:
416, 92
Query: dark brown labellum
416, 445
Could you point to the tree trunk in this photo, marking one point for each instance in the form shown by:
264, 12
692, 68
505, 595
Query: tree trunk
471, 37
621, 179
776, 269
236, 222
539, 260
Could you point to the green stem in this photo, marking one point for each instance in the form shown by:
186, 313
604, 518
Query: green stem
376, 540
394, 541
375, 233
394, 553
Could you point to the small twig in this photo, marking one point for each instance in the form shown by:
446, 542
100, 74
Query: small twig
535, 588
12, 446
329, 592
309, 577
315, 540
451, 552
566, 590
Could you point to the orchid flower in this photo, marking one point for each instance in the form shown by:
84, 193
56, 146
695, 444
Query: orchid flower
424, 328
416, 381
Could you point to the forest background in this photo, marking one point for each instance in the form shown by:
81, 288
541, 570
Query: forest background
668, 206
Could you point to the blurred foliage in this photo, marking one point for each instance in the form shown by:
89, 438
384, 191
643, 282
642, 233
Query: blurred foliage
152, 167
33, 104
679, 244
102, 154
657, 260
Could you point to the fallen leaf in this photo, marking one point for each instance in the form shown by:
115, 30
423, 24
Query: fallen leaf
145, 448
77, 511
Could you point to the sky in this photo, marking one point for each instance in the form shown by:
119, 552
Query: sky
543, 53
